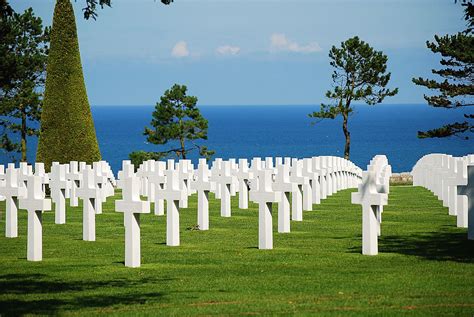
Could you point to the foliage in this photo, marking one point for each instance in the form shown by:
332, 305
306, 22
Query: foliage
91, 7
67, 129
359, 75
178, 121
24, 52
139, 157
457, 88
425, 266
5, 9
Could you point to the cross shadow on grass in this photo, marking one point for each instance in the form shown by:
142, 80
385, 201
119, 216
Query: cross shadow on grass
443, 245
51, 297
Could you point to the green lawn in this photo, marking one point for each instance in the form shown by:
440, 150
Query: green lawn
425, 265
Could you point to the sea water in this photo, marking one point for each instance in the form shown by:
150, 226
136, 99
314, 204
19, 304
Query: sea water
287, 131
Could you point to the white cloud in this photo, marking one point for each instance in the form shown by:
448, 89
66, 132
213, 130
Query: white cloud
279, 42
180, 49
228, 50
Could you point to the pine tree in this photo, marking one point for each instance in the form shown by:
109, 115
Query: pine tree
359, 75
176, 122
457, 88
24, 51
67, 128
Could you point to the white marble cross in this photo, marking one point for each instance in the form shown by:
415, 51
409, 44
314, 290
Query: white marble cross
107, 172
12, 191
158, 181
308, 188
147, 173
35, 203
299, 180
121, 176
2, 181
467, 190
265, 196
327, 191
40, 171
100, 182
334, 174
445, 175
185, 176
173, 193
279, 161
244, 175
317, 166
317, 176
269, 164
225, 181
216, 169
234, 169
452, 182
73, 176
202, 185
330, 176
58, 185
461, 200
141, 171
132, 206
370, 199
88, 192
256, 165
23, 173
284, 186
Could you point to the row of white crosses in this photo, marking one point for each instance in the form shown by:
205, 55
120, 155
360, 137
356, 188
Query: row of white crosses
372, 194
307, 181
451, 179
22, 188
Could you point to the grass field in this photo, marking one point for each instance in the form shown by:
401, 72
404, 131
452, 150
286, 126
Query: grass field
425, 265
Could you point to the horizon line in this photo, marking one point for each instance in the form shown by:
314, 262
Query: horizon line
262, 105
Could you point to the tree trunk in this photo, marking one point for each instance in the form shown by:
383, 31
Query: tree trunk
23, 133
183, 150
347, 134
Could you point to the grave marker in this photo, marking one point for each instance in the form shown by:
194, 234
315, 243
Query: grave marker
58, 185
284, 186
225, 181
299, 180
132, 207
172, 193
243, 175
202, 185
264, 196
88, 192
35, 203
12, 191
467, 190
158, 180
369, 198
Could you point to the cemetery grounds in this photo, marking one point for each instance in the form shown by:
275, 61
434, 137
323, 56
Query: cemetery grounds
425, 264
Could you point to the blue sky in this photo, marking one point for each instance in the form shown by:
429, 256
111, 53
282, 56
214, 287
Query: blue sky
248, 52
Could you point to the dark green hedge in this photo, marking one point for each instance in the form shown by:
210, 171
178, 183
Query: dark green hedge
67, 128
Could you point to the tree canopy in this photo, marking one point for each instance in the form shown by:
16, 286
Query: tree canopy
90, 11
24, 49
67, 128
178, 123
359, 75
456, 87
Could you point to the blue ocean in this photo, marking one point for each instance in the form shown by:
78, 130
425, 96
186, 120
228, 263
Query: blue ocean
287, 131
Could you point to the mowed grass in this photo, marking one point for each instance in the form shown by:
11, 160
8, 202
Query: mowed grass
425, 265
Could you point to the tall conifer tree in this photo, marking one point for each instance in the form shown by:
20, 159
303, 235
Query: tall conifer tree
67, 128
